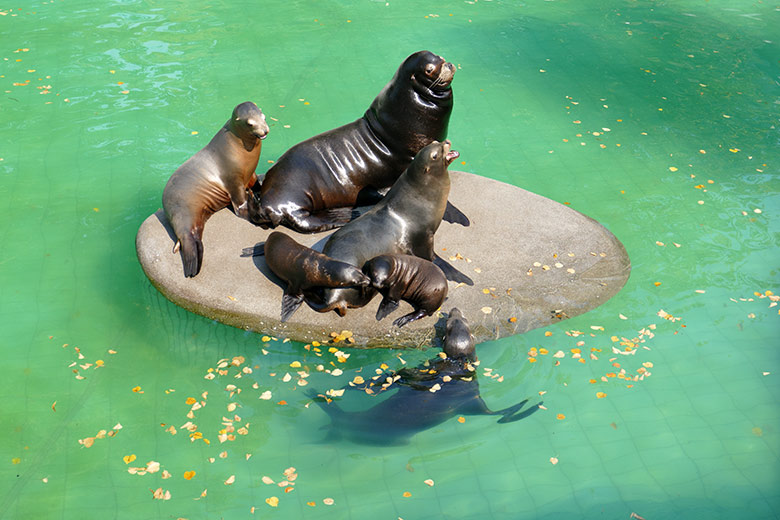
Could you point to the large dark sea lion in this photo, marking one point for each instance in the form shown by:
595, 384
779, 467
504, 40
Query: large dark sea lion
316, 183
409, 278
216, 176
304, 268
419, 398
404, 222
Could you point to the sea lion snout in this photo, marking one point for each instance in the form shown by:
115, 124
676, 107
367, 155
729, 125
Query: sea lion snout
446, 73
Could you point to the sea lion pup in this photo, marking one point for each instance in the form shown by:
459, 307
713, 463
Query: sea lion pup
404, 222
216, 176
419, 398
303, 268
409, 278
316, 183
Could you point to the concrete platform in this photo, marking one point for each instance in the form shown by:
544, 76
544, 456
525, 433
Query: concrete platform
533, 261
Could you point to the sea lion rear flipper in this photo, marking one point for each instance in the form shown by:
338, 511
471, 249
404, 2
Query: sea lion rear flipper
475, 406
450, 272
455, 216
386, 307
290, 304
408, 318
305, 222
191, 253
509, 415
255, 250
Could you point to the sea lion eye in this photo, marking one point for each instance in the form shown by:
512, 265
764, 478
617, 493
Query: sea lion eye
250, 122
435, 155
430, 68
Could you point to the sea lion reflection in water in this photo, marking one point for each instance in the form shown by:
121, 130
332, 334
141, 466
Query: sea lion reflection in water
424, 397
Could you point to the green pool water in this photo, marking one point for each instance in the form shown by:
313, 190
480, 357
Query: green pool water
658, 119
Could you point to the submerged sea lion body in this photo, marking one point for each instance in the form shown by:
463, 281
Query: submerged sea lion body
423, 397
213, 178
316, 183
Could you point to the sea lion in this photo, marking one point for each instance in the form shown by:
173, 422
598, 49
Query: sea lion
458, 340
409, 278
404, 222
303, 268
316, 183
208, 181
428, 395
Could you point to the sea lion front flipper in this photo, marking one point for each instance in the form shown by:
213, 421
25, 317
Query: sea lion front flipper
386, 307
408, 318
455, 216
509, 415
290, 304
450, 272
191, 249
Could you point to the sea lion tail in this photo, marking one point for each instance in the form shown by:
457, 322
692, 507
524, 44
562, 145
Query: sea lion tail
191, 253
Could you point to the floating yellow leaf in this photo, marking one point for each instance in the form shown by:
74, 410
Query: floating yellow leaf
407, 494
560, 417
295, 364
159, 494
601, 395
553, 460
272, 501
128, 458
189, 474
461, 419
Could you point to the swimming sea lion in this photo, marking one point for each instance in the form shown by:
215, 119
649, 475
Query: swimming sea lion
303, 268
443, 387
404, 222
316, 183
208, 181
409, 278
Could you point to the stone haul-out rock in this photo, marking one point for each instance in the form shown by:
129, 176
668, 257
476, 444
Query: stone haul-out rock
533, 261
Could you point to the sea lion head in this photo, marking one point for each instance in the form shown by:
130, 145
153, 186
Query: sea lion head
378, 269
458, 341
352, 276
247, 118
430, 70
437, 156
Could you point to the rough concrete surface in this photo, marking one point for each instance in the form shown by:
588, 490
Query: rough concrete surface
533, 261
